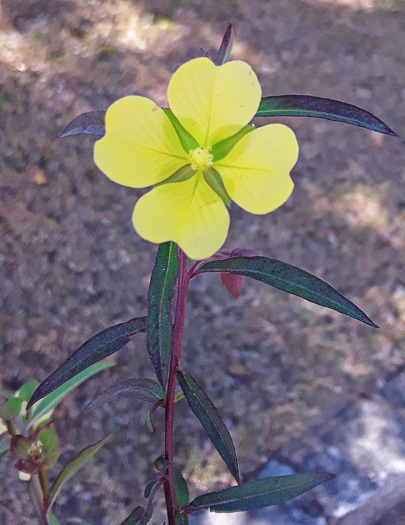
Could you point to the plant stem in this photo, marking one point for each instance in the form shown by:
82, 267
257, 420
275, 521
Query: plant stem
39, 496
178, 327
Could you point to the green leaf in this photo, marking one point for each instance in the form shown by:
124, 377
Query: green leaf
224, 53
211, 421
134, 517
52, 519
187, 140
221, 149
10, 409
72, 467
27, 390
160, 296
308, 106
90, 123
95, 349
56, 396
182, 519
213, 179
4, 447
289, 279
180, 488
143, 389
261, 493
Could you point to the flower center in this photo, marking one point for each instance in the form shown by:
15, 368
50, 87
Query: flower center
201, 158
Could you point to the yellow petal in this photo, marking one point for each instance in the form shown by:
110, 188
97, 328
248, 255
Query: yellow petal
214, 102
140, 147
256, 173
189, 213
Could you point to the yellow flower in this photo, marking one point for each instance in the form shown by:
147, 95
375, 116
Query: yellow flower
209, 104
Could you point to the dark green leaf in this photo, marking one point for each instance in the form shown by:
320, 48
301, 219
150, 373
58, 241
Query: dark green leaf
44, 410
143, 389
308, 106
90, 123
224, 53
160, 296
95, 349
134, 517
289, 279
147, 514
182, 519
211, 421
149, 488
180, 488
72, 467
261, 493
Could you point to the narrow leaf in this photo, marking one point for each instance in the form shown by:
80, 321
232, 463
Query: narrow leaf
90, 123
134, 517
72, 467
180, 488
224, 53
289, 279
261, 493
211, 421
143, 389
147, 513
182, 519
56, 396
326, 108
161, 290
95, 349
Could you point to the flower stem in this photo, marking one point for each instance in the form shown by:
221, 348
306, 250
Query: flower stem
178, 327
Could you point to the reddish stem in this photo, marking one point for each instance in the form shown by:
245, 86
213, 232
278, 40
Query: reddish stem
183, 280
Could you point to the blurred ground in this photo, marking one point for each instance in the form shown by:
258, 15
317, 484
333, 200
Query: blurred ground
297, 385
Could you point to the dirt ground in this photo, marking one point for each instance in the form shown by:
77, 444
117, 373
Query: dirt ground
291, 379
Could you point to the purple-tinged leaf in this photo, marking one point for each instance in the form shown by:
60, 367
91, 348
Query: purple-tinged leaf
143, 389
233, 283
326, 108
289, 279
224, 53
90, 123
134, 517
160, 297
72, 467
211, 421
95, 349
261, 493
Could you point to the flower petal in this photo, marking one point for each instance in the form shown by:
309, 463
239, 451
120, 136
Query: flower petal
214, 102
189, 213
256, 172
140, 147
